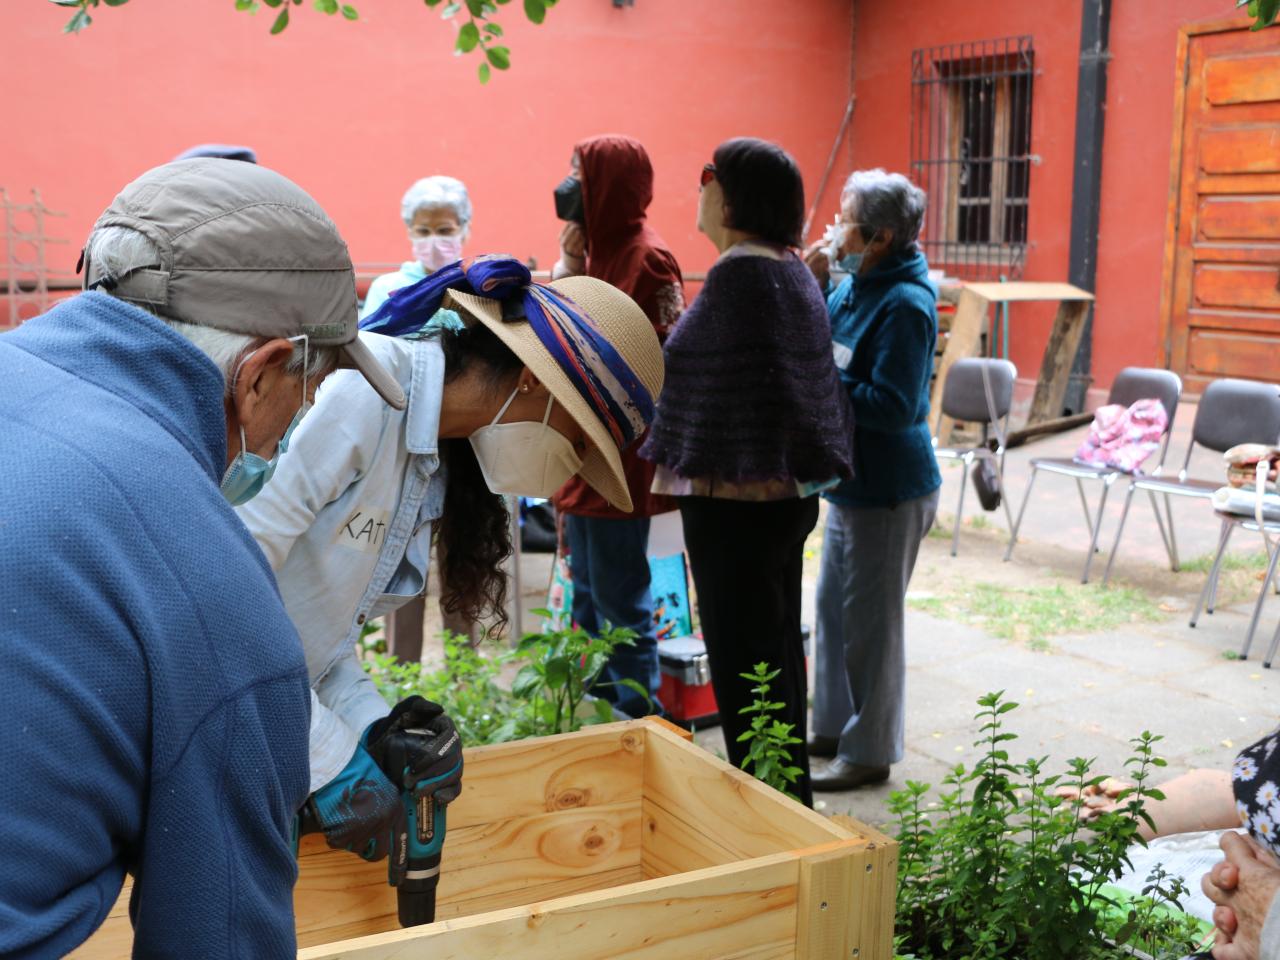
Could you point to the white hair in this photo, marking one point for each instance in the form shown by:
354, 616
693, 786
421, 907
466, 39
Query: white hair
117, 251
884, 201
437, 191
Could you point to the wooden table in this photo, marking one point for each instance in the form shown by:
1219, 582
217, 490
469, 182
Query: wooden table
1059, 354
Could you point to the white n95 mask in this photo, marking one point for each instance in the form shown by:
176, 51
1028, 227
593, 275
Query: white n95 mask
524, 459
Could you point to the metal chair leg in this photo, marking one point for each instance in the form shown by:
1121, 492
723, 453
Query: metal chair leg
1013, 535
1217, 571
1207, 591
1271, 651
1257, 607
1115, 547
1084, 503
1173, 540
1097, 527
1164, 537
964, 484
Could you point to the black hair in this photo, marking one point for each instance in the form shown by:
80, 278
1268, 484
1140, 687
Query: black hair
473, 536
763, 189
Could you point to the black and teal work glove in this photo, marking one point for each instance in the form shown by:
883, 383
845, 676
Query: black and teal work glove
360, 809
419, 748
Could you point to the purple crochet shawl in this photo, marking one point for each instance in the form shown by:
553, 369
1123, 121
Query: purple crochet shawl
751, 389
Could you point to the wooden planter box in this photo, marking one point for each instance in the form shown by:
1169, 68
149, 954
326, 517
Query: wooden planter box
623, 840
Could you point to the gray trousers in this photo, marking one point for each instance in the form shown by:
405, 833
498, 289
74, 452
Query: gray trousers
868, 554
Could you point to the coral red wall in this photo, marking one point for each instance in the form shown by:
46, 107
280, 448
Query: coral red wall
1137, 141
1136, 179
355, 111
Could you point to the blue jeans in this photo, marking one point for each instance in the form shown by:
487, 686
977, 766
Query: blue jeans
609, 563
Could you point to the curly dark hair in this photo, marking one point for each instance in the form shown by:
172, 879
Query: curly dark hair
473, 537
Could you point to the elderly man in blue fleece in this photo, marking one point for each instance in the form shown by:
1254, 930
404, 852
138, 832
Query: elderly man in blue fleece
153, 693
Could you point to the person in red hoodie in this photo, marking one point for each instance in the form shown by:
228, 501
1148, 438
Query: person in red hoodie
607, 236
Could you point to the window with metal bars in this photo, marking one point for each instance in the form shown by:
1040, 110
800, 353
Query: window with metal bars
971, 152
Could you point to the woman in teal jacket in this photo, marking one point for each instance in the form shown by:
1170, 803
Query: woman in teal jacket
883, 328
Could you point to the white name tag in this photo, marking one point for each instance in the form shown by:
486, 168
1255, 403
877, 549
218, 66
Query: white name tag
843, 355
365, 530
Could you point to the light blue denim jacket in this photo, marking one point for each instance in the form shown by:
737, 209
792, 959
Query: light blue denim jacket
346, 524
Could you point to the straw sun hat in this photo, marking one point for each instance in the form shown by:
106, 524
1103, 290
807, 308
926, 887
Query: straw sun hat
629, 331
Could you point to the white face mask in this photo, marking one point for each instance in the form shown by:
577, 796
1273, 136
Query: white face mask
524, 459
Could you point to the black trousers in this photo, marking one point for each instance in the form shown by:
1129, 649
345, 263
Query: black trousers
747, 558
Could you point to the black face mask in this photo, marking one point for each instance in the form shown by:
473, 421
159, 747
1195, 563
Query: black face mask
569, 200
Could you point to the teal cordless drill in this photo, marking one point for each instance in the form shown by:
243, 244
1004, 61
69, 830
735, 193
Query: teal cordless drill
419, 750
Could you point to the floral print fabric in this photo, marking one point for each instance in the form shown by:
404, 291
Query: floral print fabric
1255, 779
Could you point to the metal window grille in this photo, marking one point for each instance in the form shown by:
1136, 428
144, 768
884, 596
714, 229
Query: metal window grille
24, 277
971, 152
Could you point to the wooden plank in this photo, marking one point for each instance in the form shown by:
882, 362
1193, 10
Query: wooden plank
963, 340
728, 806
485, 867
670, 845
1237, 150
1027, 292
666, 724
1245, 78
1059, 354
827, 912
1237, 285
875, 892
738, 911
598, 766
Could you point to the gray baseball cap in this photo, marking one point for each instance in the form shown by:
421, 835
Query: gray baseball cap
246, 250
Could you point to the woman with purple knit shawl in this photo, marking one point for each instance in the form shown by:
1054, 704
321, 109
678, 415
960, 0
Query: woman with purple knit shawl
751, 424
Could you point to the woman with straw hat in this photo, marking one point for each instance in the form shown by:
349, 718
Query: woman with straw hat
521, 388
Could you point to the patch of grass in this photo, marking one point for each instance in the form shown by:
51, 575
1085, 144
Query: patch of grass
979, 521
1033, 614
1230, 655
1254, 562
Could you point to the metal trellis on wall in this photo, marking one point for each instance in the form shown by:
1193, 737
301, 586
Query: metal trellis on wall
26, 272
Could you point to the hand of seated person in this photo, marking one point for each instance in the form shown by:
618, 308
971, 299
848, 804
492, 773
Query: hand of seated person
1108, 796
1242, 886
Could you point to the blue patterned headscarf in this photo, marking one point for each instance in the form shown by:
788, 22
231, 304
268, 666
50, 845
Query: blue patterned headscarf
597, 371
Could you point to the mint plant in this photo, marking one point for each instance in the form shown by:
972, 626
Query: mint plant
768, 757
1000, 865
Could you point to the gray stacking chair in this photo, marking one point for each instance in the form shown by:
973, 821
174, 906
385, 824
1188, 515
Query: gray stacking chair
1131, 385
1230, 412
980, 391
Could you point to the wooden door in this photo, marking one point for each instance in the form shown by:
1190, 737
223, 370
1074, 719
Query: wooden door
1221, 310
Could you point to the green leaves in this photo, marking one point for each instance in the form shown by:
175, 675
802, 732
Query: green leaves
535, 10
768, 757
1263, 11
1000, 865
476, 34
468, 38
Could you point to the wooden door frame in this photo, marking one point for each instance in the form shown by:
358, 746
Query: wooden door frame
1168, 279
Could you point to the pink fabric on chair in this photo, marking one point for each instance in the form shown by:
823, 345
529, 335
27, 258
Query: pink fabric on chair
1122, 438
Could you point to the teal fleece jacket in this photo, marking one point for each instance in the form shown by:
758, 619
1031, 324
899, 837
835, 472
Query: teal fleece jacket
884, 327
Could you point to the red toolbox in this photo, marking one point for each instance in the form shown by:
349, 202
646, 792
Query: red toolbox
686, 682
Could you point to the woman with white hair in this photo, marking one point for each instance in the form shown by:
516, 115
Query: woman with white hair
884, 327
437, 215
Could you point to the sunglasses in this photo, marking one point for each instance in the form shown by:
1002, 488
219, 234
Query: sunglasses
708, 174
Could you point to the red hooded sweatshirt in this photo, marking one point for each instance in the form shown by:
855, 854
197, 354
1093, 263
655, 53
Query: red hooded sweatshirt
622, 249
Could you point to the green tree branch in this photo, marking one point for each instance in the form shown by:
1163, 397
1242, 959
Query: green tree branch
478, 30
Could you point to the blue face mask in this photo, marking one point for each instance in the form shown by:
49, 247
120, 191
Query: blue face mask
248, 472
851, 263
